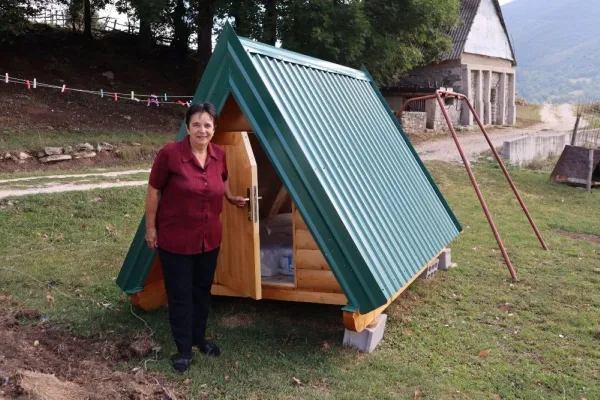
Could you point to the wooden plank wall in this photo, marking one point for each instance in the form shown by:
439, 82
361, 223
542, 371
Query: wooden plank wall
312, 271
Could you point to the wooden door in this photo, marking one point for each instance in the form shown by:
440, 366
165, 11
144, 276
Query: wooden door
238, 268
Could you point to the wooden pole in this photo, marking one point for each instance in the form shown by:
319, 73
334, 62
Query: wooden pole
591, 171
574, 137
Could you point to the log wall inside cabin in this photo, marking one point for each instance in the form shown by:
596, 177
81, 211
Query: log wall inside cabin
312, 271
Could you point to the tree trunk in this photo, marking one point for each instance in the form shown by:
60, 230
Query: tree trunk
270, 25
240, 15
87, 18
181, 34
145, 35
205, 28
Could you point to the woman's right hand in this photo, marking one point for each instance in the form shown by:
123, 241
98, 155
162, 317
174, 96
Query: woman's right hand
151, 238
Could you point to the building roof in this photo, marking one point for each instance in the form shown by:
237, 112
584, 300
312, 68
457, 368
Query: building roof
460, 34
368, 200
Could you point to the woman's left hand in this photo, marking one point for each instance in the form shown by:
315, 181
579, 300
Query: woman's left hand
238, 201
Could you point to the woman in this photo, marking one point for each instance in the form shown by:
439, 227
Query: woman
185, 198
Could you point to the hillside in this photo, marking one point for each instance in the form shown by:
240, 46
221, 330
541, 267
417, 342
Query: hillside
33, 118
557, 45
111, 63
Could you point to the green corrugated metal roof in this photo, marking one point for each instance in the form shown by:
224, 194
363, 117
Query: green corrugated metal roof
363, 192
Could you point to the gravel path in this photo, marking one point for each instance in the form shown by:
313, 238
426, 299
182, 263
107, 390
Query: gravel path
556, 120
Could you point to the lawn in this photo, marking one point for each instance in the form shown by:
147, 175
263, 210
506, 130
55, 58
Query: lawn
469, 333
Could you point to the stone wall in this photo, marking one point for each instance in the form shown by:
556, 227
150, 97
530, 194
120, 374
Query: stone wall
442, 75
414, 122
57, 154
435, 116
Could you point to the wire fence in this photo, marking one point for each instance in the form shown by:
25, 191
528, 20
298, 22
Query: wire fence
587, 125
101, 25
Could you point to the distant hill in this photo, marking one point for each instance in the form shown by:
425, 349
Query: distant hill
557, 44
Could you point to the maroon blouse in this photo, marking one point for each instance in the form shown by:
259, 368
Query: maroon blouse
191, 199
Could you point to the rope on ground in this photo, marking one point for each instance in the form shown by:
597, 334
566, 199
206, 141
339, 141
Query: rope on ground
169, 395
105, 305
54, 287
141, 319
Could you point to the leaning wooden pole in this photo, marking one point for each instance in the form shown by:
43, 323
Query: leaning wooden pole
438, 95
575, 129
486, 210
507, 175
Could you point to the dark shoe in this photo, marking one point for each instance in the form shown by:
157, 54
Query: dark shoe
181, 364
210, 349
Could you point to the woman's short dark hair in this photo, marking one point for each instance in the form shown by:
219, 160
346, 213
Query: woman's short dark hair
201, 108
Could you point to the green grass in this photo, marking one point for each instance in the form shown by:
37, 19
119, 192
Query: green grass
543, 345
544, 165
528, 115
593, 124
25, 139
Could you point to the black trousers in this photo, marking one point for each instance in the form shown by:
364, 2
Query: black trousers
188, 279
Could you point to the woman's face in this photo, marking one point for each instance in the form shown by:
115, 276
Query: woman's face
201, 129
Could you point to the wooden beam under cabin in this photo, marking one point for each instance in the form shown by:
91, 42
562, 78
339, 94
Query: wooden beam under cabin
357, 322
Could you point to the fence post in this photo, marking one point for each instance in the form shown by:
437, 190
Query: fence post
574, 136
590, 171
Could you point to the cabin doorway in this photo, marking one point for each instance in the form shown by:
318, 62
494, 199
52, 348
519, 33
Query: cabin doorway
257, 248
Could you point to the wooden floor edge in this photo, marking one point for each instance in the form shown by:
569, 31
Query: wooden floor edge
288, 294
304, 296
357, 322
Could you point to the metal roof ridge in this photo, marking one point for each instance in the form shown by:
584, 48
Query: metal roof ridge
292, 57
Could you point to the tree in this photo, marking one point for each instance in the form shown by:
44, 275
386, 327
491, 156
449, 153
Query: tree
181, 29
406, 34
269, 34
148, 12
87, 18
389, 36
81, 13
205, 23
325, 29
13, 17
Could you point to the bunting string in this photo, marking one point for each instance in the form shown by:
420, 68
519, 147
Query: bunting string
149, 99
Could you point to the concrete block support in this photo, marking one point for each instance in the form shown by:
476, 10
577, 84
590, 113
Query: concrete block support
445, 260
511, 109
467, 117
487, 98
478, 95
369, 338
501, 113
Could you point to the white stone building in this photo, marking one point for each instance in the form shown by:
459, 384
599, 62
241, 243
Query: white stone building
481, 66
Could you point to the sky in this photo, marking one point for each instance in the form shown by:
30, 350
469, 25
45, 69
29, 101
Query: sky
503, 2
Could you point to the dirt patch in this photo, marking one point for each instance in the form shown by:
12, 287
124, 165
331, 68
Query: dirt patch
579, 236
27, 314
238, 321
44, 361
